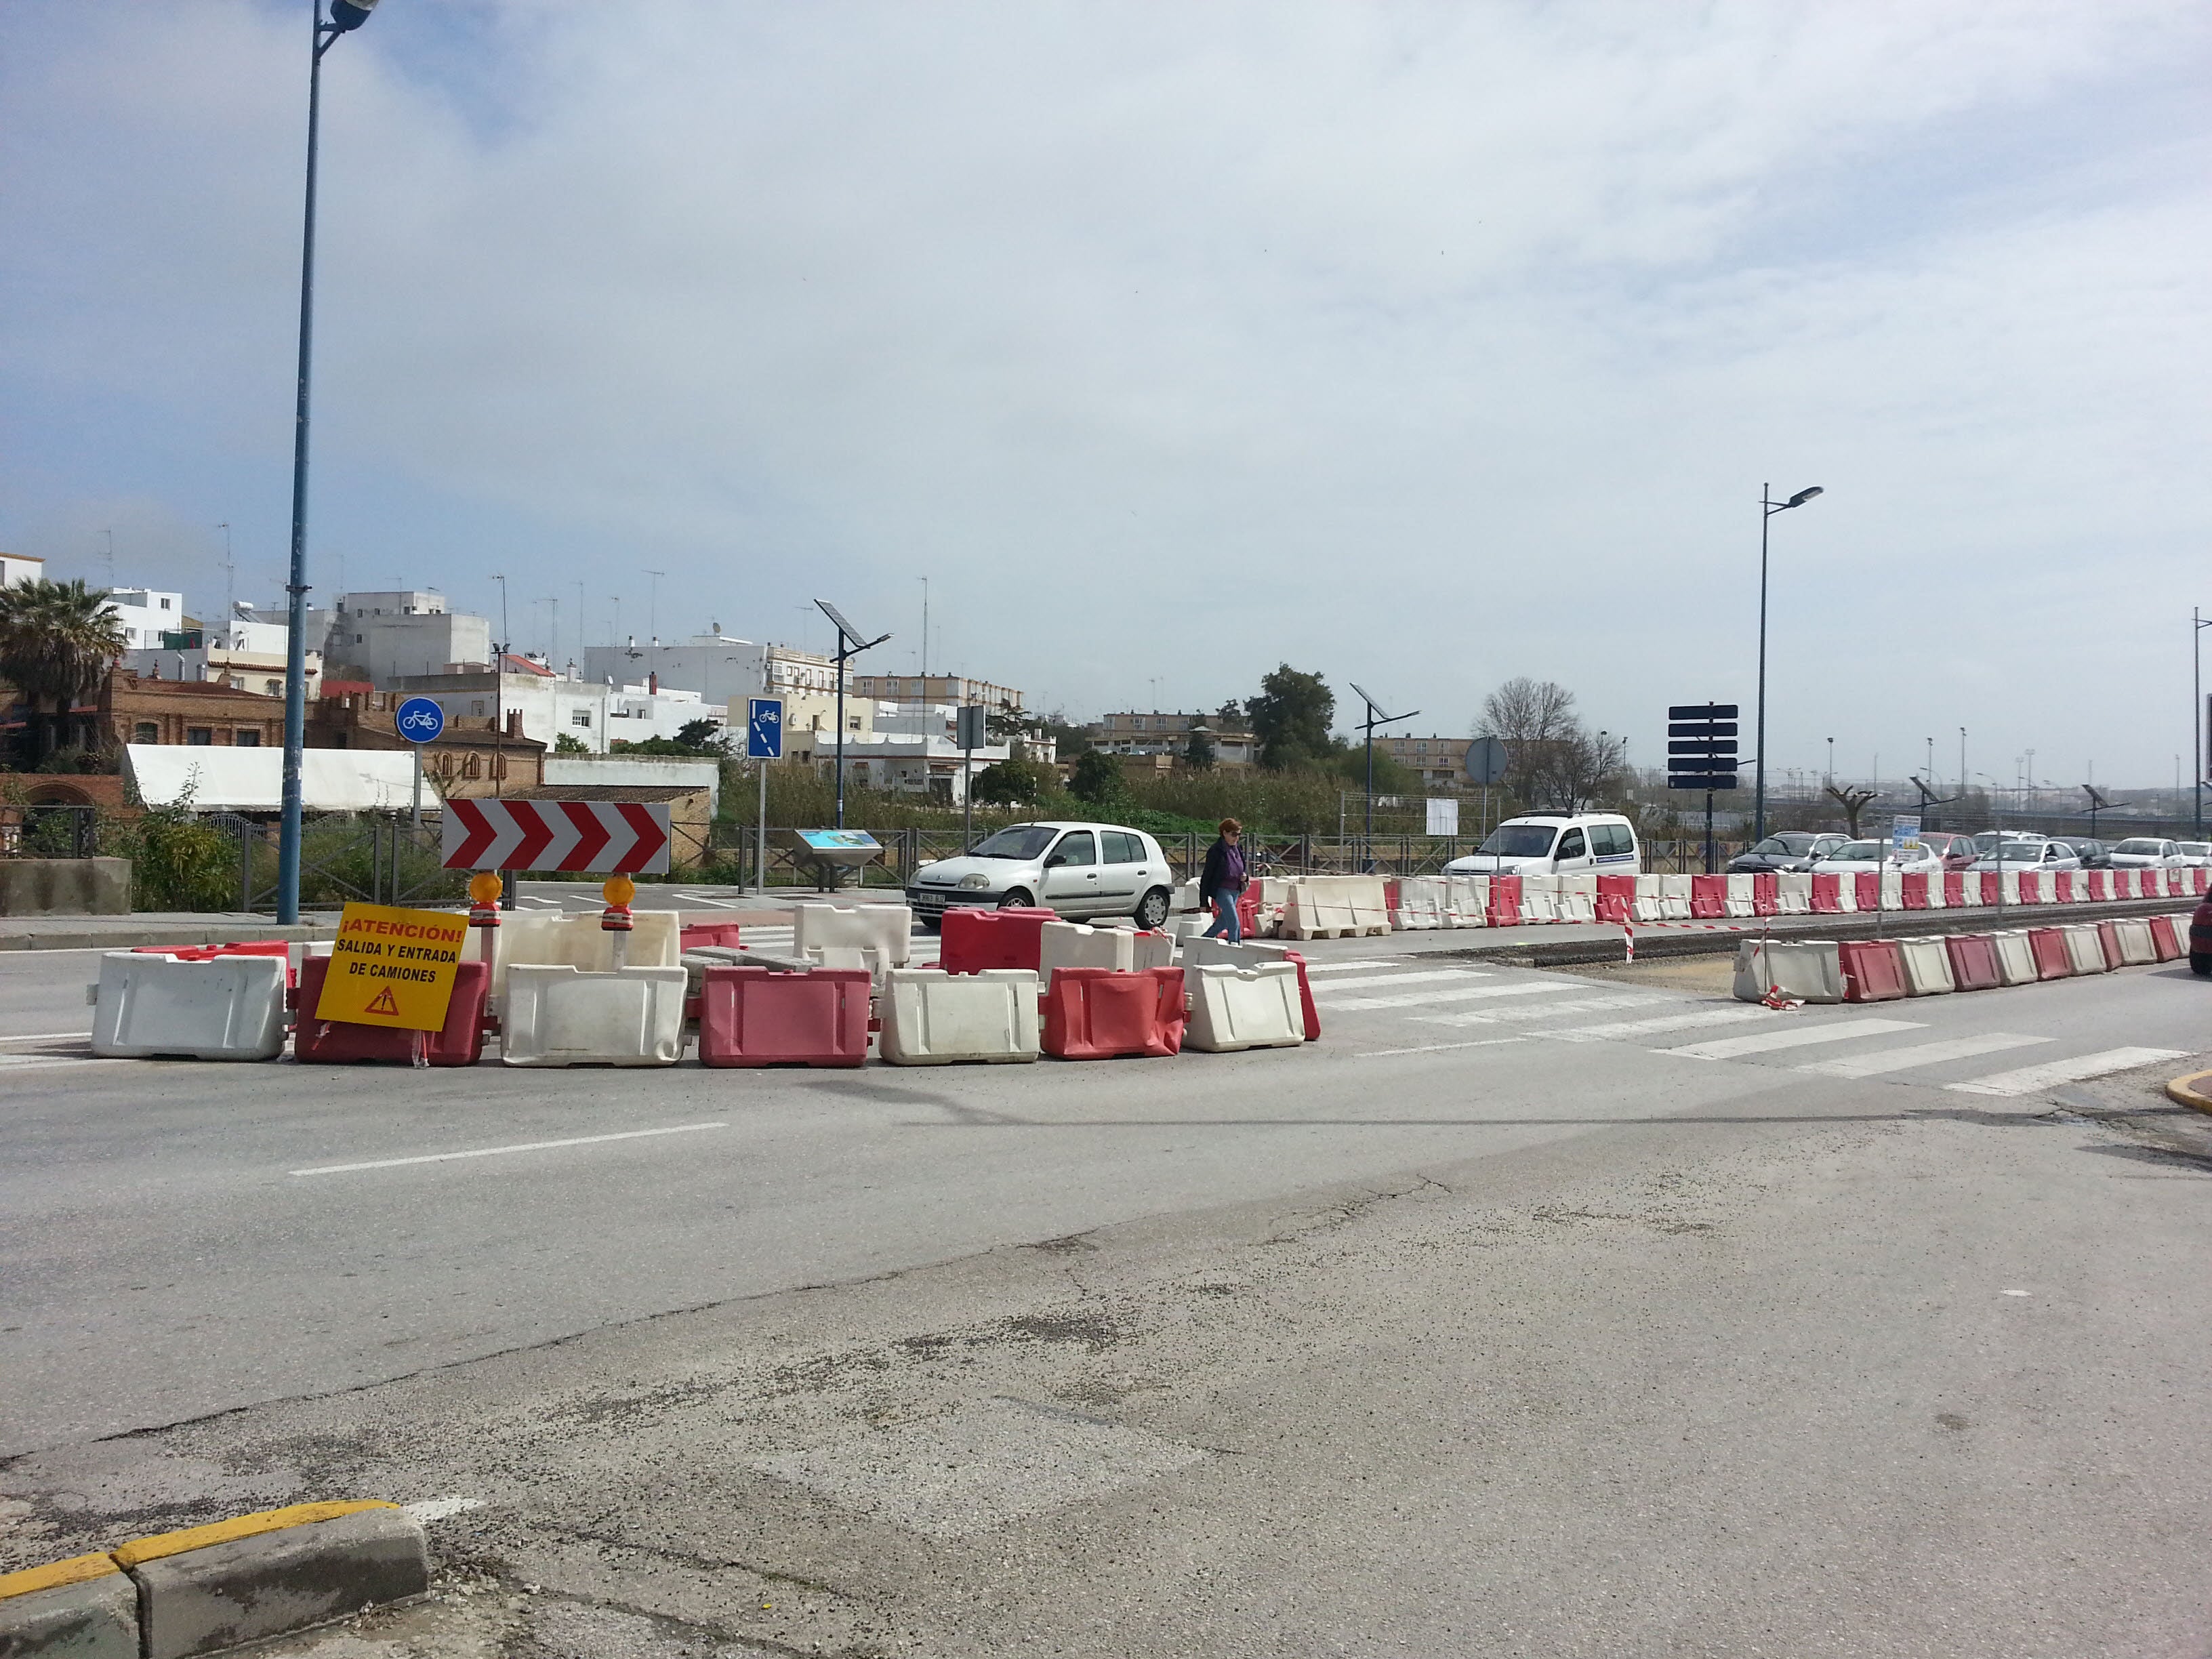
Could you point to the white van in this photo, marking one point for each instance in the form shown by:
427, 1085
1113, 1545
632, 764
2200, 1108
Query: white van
1555, 844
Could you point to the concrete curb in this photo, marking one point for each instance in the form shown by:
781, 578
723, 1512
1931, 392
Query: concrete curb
208, 1588
67, 936
2194, 1090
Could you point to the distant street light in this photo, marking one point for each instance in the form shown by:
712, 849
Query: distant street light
2198, 623
1768, 508
346, 15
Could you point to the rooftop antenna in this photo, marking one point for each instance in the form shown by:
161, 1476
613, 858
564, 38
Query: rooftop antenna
850, 643
1375, 717
110, 534
652, 606
229, 580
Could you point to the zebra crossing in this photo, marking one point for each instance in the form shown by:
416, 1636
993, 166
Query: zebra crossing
1522, 1005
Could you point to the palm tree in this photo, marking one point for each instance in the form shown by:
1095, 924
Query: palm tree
57, 639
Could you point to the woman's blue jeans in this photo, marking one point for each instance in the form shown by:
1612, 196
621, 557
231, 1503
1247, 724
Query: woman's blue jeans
1227, 924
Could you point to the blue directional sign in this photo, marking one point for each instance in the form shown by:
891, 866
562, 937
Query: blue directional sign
421, 720
764, 729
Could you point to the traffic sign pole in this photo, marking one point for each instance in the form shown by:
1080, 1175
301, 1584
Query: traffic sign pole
420, 721
764, 743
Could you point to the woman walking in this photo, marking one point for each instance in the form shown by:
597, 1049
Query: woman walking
1222, 882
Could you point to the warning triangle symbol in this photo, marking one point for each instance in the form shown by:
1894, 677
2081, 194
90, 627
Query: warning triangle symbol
386, 1003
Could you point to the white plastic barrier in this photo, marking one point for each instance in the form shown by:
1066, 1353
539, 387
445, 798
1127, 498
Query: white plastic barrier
1330, 907
1651, 905
1927, 967
228, 1008
932, 1017
1467, 900
1183, 929
2008, 884
1122, 950
1184, 900
564, 1016
1807, 970
1274, 893
2016, 956
1578, 897
1252, 953
1847, 891
1893, 890
865, 957
1935, 890
1540, 899
1793, 892
886, 929
1420, 904
2085, 947
2137, 945
1741, 900
1233, 1008
1675, 898
580, 942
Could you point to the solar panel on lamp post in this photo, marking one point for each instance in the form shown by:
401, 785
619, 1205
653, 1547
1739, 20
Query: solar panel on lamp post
1768, 508
850, 644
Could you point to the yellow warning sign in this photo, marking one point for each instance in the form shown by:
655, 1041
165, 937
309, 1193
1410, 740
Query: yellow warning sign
393, 968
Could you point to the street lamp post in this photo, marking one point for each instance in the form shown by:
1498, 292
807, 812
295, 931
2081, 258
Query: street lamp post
1768, 508
346, 15
2198, 623
1375, 717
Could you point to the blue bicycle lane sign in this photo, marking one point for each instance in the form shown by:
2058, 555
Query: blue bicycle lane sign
421, 720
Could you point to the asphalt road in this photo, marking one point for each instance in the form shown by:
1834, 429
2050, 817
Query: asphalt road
1525, 1313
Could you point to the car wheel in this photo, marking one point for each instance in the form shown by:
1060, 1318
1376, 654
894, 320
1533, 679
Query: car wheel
2201, 963
1153, 908
1017, 899
931, 924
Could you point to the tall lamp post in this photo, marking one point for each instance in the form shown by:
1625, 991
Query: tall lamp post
1768, 508
850, 644
1375, 717
2198, 623
346, 15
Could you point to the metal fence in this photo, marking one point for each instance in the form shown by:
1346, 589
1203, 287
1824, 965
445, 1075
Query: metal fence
56, 831
368, 860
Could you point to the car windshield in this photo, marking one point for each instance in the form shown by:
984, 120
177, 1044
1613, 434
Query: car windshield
2022, 852
2196, 850
1521, 841
1783, 847
2138, 844
1017, 840
1866, 852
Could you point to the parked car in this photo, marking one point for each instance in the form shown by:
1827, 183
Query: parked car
1956, 851
2028, 853
2146, 853
1555, 844
2195, 855
1080, 870
2200, 938
2092, 853
1791, 849
1853, 856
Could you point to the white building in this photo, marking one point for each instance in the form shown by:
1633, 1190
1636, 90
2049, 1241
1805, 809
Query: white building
246, 653
18, 569
554, 705
146, 614
716, 665
381, 637
911, 766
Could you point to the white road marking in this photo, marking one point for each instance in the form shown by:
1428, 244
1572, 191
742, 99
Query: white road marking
1637, 1028
1547, 1010
1356, 964
1439, 1047
427, 1509
1422, 999
1797, 1036
1368, 982
532, 898
720, 904
1919, 1054
2029, 1079
42, 1036
32, 1062
495, 1151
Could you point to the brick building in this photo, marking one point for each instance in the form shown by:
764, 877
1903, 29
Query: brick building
1439, 761
471, 757
135, 707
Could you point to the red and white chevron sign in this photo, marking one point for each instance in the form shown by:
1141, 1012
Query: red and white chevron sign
630, 836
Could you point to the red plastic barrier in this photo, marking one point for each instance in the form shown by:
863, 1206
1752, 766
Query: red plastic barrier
1874, 969
1954, 889
2100, 884
2124, 883
1868, 889
1766, 895
2061, 887
2164, 939
2108, 935
330, 1042
1389, 897
2176, 885
251, 947
1827, 893
1708, 897
1973, 961
1912, 889
2199, 878
2048, 945
971, 941
1989, 886
1305, 998
722, 935
757, 1017
1616, 898
1095, 1013
1505, 900
2030, 887
1247, 909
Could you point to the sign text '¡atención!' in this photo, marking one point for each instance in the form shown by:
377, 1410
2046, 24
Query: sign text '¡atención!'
373, 948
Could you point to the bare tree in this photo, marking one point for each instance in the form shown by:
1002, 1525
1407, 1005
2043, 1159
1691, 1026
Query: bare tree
1853, 801
1552, 759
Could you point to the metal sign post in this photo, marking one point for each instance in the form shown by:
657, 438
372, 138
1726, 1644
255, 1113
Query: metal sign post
971, 726
420, 722
1485, 764
1701, 754
764, 743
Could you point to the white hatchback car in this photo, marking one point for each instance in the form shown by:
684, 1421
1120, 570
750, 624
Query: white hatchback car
1555, 844
2147, 852
1080, 870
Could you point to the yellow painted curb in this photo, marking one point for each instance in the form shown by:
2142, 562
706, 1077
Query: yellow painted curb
55, 1574
2195, 1090
244, 1526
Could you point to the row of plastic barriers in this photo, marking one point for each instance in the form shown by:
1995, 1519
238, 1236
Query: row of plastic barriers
1882, 970
1010, 986
1427, 901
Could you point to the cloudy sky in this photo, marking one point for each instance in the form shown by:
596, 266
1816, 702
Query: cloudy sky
1422, 345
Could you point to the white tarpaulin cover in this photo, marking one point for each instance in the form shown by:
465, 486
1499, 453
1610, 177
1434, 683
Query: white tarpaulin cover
226, 779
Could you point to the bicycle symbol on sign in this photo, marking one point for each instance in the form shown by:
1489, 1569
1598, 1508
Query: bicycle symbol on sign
418, 719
